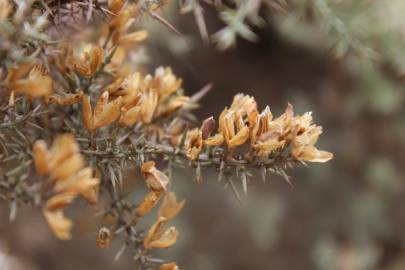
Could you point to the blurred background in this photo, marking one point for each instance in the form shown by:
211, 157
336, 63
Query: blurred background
342, 60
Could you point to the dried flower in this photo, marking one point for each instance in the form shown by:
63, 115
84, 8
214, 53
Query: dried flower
148, 203
89, 61
60, 225
170, 207
104, 113
159, 238
193, 143
103, 238
65, 99
65, 165
155, 179
59, 201
30, 81
169, 266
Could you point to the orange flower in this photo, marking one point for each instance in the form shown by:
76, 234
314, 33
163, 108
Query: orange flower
148, 203
65, 165
233, 128
30, 81
169, 266
60, 225
193, 144
66, 99
155, 179
170, 207
157, 237
104, 113
89, 61
59, 201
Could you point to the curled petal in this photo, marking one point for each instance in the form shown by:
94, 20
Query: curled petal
68, 99
240, 138
164, 240
155, 179
67, 168
169, 266
110, 113
133, 38
59, 201
63, 147
149, 102
130, 117
148, 203
170, 207
59, 224
311, 154
41, 157
193, 144
87, 113
207, 127
80, 183
215, 140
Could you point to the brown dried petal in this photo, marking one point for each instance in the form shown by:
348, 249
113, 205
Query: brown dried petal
170, 207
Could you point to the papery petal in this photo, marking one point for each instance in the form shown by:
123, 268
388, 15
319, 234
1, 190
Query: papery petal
59, 224
41, 157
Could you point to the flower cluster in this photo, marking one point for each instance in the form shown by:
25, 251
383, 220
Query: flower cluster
243, 126
135, 99
157, 183
64, 166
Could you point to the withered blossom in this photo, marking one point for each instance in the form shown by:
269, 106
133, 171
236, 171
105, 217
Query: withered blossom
169, 266
158, 237
64, 99
242, 123
89, 61
30, 80
148, 203
155, 179
104, 112
60, 225
103, 237
64, 165
193, 143
170, 207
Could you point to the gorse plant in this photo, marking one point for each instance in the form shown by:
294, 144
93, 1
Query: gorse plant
77, 112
